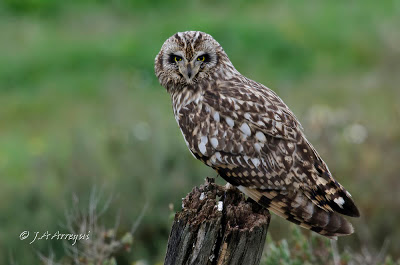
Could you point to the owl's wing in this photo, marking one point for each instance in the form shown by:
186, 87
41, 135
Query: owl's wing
259, 144
259, 106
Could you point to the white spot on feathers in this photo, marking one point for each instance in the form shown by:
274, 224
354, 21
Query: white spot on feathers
339, 201
257, 146
202, 145
216, 116
288, 159
213, 160
247, 116
220, 206
202, 196
229, 121
246, 158
255, 161
260, 136
240, 148
261, 123
214, 142
330, 191
218, 156
245, 129
321, 181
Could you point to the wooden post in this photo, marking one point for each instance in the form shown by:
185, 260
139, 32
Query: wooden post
217, 226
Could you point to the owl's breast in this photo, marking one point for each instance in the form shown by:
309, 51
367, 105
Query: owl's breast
187, 107
206, 132
190, 120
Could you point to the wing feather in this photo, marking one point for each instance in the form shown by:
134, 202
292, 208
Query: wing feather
265, 132
260, 107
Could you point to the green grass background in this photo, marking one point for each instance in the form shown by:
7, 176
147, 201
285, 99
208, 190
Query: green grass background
80, 107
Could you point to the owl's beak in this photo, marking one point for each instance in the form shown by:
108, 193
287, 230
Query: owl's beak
189, 71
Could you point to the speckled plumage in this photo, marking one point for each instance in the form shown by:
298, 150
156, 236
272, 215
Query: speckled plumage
246, 133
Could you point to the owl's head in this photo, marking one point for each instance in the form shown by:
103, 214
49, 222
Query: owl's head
187, 58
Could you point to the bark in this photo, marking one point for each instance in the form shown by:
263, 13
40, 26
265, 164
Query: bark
217, 226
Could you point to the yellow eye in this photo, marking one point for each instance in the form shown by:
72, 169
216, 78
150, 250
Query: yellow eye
178, 59
201, 58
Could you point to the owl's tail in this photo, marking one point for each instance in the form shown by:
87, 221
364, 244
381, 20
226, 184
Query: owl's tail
297, 208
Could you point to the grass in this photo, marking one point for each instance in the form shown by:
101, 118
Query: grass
80, 107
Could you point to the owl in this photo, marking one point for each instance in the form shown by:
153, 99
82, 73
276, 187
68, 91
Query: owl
244, 131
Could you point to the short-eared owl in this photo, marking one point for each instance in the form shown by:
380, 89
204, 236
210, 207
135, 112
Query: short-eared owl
244, 131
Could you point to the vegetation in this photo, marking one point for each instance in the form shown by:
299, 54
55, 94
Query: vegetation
80, 107
316, 250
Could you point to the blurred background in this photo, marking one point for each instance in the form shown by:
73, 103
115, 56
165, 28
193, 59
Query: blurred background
81, 108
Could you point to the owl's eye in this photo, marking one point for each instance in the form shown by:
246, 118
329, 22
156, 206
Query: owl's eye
174, 58
203, 58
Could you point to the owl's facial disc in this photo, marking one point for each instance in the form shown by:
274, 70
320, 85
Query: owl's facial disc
189, 68
190, 57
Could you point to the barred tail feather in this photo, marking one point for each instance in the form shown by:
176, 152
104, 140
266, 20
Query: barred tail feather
297, 208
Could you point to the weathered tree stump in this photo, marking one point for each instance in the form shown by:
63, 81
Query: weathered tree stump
217, 226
